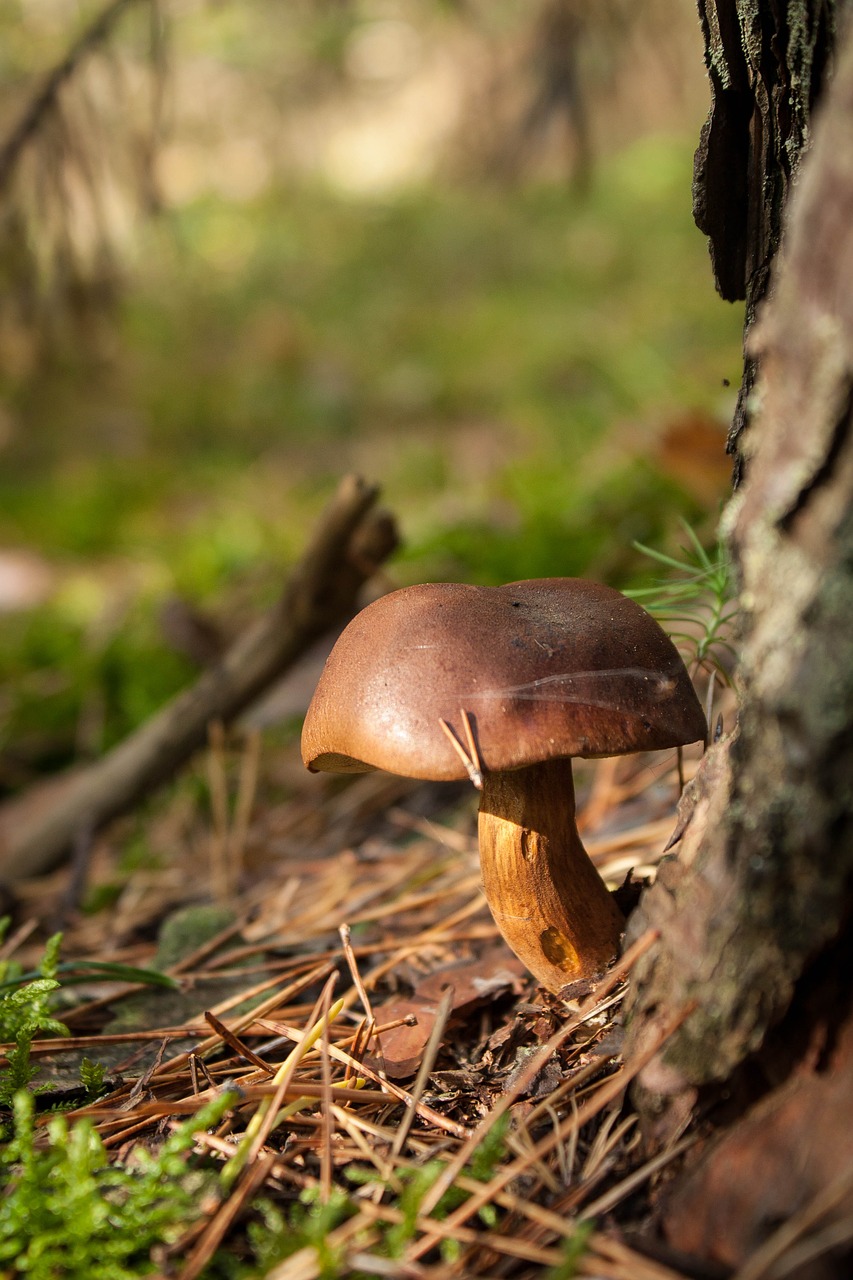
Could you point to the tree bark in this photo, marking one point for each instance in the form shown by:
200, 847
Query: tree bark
767, 64
756, 919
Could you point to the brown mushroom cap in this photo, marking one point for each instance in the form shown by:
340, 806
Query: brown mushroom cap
548, 668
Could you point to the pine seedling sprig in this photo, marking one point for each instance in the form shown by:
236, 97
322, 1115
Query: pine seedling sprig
698, 592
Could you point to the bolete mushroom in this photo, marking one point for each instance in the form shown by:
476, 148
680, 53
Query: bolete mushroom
506, 684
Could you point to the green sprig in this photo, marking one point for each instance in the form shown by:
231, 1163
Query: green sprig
698, 591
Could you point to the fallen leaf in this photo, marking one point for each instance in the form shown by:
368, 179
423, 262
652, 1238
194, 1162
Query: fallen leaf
489, 975
770, 1165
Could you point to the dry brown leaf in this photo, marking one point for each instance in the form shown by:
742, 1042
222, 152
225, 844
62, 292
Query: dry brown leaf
777, 1159
495, 972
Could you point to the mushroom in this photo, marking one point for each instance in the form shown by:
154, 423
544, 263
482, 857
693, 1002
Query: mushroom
506, 684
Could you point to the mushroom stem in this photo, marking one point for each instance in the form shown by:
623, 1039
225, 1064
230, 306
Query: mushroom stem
547, 898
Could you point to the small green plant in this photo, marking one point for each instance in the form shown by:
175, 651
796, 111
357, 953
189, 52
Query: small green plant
24, 1013
698, 594
417, 1182
490, 1152
573, 1250
67, 1212
310, 1222
275, 1234
25, 1009
92, 1076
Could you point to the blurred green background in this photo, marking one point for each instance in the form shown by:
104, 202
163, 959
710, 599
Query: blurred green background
254, 246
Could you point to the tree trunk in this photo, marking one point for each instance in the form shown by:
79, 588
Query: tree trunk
767, 64
756, 917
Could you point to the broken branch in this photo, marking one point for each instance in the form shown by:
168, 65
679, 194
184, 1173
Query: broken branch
350, 542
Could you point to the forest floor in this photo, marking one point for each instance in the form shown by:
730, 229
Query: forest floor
450, 1118
538, 378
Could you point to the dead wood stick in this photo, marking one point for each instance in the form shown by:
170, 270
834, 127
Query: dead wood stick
351, 540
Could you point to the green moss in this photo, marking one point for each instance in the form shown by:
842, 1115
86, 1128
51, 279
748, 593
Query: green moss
68, 1213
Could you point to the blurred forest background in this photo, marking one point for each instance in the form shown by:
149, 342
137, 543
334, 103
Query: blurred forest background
247, 247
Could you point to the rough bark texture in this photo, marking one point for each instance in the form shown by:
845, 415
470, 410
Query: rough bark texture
767, 63
768, 891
